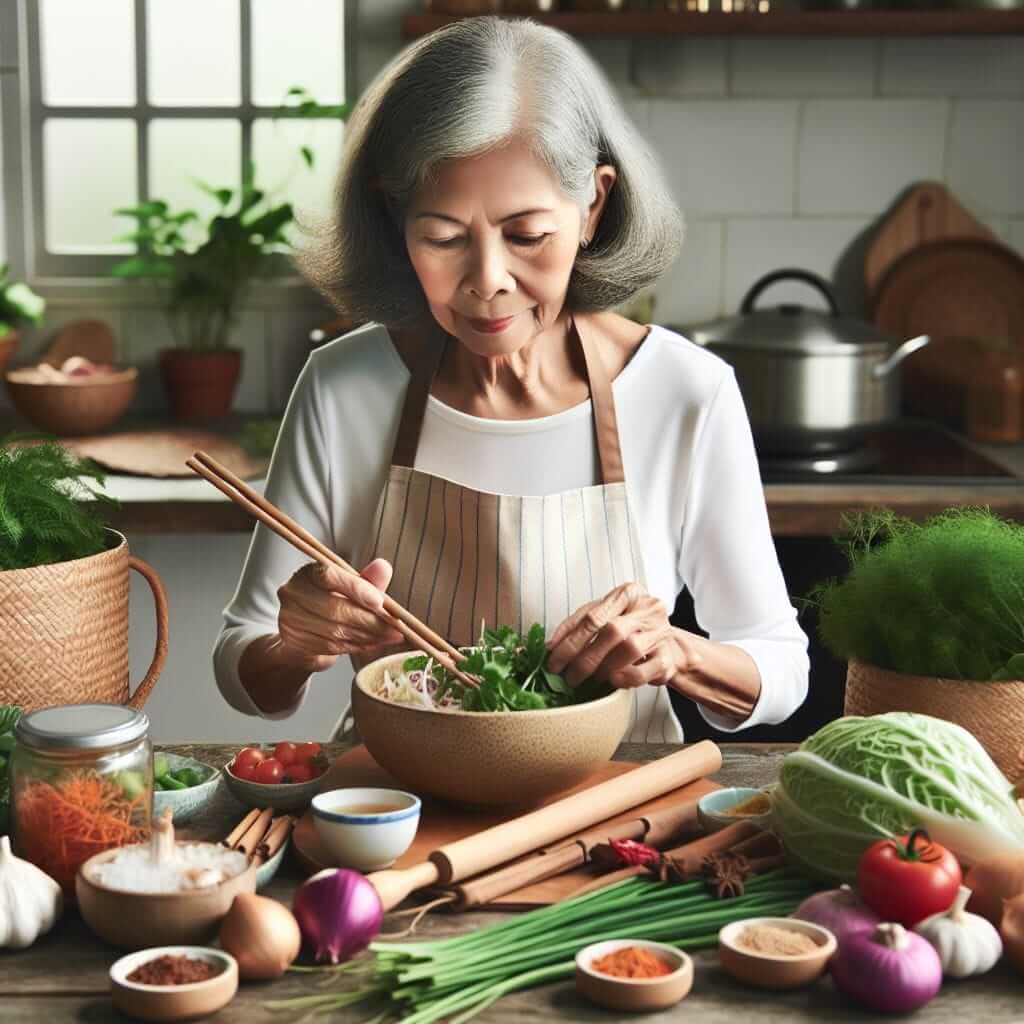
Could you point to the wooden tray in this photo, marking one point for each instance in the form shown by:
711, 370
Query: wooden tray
443, 823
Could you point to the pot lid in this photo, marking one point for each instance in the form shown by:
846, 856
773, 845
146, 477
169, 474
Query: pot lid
793, 328
81, 727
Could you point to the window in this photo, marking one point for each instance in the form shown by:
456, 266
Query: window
128, 100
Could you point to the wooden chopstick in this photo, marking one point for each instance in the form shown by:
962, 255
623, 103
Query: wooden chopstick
416, 632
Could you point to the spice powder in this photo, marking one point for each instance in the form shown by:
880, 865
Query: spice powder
632, 962
776, 941
173, 970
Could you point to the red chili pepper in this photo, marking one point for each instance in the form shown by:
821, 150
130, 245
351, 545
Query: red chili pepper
631, 853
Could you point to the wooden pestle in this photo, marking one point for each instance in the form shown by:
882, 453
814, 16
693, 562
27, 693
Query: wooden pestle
654, 829
475, 854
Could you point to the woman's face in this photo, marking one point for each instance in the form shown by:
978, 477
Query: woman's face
493, 239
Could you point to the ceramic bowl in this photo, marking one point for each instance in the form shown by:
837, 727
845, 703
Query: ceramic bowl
282, 796
484, 757
135, 920
173, 1002
711, 808
767, 970
185, 804
638, 994
365, 841
82, 405
266, 871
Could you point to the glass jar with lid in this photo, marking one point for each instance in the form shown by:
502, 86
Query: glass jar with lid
81, 783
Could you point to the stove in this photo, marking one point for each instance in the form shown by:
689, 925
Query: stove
909, 451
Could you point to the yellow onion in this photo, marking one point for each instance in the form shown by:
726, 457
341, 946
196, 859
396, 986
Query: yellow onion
1012, 930
262, 935
991, 881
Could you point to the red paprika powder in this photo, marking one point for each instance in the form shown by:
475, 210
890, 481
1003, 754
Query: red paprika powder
632, 962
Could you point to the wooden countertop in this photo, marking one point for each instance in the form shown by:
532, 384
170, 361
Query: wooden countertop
63, 977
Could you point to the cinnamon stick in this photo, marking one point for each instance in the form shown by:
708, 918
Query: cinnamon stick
255, 833
277, 835
240, 829
762, 845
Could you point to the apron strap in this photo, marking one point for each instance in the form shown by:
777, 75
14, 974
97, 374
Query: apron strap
428, 362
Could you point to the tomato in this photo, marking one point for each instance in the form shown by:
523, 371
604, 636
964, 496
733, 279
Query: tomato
909, 878
285, 753
247, 757
307, 751
246, 771
270, 771
302, 771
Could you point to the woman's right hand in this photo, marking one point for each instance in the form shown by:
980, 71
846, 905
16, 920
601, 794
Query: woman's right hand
326, 612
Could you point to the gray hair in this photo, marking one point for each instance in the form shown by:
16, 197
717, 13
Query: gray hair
461, 91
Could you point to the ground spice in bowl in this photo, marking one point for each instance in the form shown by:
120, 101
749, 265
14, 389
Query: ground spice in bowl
775, 941
632, 962
174, 970
757, 804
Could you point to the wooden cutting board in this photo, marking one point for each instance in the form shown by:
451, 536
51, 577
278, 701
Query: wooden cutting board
442, 823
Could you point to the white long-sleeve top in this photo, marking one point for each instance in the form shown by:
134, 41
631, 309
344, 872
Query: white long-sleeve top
690, 467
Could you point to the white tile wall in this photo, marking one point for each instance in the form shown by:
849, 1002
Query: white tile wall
986, 66
727, 156
986, 165
803, 67
857, 155
692, 290
681, 67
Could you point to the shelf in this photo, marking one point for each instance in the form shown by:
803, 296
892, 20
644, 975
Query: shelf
783, 23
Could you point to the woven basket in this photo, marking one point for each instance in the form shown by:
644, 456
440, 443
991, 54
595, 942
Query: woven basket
993, 712
64, 631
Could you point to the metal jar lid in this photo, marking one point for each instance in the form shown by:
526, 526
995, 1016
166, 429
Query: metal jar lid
81, 727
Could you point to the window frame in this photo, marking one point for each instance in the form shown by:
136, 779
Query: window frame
24, 113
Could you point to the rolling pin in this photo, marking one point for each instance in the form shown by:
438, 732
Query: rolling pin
478, 853
654, 829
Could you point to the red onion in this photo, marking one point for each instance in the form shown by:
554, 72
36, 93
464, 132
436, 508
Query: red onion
840, 911
890, 969
339, 913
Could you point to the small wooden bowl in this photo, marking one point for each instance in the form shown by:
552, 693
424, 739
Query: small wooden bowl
766, 970
173, 1002
636, 994
79, 406
135, 920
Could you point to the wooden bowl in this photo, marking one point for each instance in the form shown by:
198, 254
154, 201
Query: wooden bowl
135, 920
173, 1002
766, 970
486, 757
634, 994
79, 406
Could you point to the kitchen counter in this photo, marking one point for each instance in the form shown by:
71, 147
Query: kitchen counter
63, 977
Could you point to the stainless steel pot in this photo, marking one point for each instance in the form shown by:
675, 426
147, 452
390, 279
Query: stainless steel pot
813, 382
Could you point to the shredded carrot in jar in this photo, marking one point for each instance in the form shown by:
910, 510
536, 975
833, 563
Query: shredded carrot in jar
58, 826
632, 962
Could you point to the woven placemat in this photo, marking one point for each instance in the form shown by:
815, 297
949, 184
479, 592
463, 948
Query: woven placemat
162, 453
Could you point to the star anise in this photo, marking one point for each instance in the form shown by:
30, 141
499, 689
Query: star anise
726, 873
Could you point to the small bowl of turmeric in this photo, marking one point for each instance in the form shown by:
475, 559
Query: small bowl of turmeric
633, 974
725, 807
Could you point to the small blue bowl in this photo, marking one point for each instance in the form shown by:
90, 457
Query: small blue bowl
359, 836
711, 808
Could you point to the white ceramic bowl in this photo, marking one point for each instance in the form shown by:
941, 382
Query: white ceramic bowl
711, 808
365, 841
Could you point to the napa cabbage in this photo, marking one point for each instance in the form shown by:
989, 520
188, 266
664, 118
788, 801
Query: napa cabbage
861, 779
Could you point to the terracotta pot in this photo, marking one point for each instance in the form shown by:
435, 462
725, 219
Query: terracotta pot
992, 712
64, 631
8, 343
200, 385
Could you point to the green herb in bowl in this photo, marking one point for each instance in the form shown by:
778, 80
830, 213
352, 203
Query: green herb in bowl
183, 784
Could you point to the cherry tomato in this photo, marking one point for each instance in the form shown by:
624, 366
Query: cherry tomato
245, 762
285, 753
307, 751
909, 878
301, 771
270, 770
246, 770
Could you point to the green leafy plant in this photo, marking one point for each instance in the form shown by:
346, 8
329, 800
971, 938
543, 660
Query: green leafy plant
18, 303
201, 286
941, 598
513, 674
49, 510
9, 715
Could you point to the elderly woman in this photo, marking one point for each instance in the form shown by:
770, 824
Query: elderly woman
496, 445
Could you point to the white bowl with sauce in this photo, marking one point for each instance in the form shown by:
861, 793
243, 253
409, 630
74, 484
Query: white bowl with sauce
366, 828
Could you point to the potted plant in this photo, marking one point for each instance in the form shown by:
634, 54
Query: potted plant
930, 618
64, 584
18, 304
201, 287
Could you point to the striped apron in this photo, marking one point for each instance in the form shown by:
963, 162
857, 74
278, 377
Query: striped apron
464, 558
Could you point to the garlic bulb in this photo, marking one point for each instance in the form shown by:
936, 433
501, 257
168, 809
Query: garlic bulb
30, 900
966, 943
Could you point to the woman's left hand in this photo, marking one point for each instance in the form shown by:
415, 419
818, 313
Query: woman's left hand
623, 638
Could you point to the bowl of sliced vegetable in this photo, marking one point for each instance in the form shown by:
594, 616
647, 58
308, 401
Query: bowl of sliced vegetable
519, 737
183, 784
285, 776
